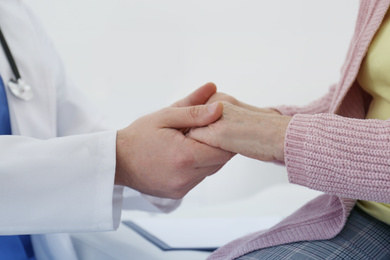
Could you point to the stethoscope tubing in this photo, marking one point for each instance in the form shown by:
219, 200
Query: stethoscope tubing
10, 58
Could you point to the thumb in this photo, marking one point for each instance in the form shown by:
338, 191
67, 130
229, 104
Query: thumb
198, 97
195, 116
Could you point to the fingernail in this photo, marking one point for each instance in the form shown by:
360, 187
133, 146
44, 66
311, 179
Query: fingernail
212, 107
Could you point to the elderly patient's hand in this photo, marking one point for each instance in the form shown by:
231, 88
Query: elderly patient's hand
219, 96
156, 158
253, 134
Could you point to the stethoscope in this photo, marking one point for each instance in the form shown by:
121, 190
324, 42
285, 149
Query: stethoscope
17, 86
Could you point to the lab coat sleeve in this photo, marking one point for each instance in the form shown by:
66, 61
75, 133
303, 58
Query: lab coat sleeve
63, 184
76, 115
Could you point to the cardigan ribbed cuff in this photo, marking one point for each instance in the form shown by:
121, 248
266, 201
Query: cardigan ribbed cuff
327, 152
294, 148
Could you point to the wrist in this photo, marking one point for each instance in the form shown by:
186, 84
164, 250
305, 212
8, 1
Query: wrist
121, 169
283, 123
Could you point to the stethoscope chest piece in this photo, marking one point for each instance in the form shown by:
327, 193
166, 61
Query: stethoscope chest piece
17, 86
20, 89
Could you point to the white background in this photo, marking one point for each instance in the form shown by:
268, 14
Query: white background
133, 57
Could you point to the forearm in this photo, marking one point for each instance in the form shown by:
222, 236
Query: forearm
341, 156
255, 134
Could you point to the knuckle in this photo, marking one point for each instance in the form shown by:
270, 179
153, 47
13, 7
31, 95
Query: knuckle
228, 98
231, 100
193, 112
162, 113
165, 110
226, 104
183, 160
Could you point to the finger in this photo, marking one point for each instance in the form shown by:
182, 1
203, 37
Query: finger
183, 117
219, 96
208, 156
203, 135
198, 97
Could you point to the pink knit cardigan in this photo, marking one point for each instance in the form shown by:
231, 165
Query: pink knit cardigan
330, 147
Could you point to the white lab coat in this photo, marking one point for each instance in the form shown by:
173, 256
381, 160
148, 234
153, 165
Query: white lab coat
57, 169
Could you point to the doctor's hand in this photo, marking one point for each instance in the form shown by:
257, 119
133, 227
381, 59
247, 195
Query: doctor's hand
156, 158
253, 134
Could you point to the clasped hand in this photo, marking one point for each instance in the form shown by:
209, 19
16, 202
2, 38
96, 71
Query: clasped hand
156, 158
258, 133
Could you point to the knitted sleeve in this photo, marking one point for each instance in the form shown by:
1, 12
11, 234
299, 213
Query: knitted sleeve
318, 106
341, 156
